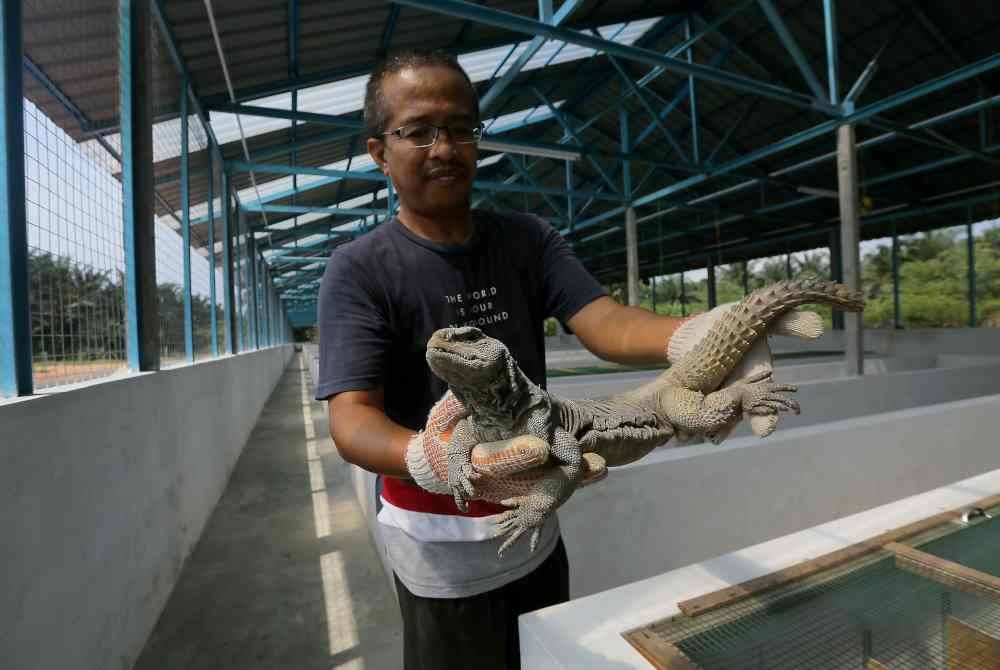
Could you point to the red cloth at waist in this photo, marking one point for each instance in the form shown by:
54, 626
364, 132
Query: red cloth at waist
406, 495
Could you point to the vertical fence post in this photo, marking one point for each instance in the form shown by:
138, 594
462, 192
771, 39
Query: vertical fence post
186, 225
240, 281
135, 100
896, 320
710, 267
229, 323
214, 326
971, 251
252, 286
15, 319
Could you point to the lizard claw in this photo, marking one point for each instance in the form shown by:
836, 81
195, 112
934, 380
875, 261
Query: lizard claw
525, 514
460, 479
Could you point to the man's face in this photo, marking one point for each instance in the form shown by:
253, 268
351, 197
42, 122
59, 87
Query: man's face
438, 179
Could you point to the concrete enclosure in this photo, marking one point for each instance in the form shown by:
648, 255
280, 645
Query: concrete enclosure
106, 488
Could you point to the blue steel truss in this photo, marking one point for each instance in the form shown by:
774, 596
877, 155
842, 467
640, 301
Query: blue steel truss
668, 143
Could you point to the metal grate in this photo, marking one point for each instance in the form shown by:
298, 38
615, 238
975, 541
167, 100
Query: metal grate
75, 256
867, 613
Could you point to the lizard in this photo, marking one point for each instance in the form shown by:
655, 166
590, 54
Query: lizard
501, 403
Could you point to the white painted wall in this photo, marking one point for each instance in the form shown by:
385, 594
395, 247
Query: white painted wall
104, 490
681, 506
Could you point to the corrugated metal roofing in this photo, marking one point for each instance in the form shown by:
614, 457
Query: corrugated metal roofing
73, 43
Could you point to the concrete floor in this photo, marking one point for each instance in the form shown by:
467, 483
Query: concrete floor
285, 574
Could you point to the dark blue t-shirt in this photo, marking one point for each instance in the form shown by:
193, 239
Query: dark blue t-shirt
384, 294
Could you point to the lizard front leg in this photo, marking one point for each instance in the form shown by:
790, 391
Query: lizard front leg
529, 512
461, 474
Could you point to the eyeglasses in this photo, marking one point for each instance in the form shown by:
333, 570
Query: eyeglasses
423, 135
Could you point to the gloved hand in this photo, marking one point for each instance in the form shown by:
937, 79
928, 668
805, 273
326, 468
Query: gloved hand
427, 454
757, 360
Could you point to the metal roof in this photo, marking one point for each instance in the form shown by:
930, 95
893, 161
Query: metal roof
762, 180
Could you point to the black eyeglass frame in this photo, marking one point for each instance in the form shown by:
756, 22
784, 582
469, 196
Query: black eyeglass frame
478, 131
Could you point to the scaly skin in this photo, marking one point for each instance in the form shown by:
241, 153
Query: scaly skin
504, 404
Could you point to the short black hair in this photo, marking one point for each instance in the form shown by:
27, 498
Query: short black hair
376, 115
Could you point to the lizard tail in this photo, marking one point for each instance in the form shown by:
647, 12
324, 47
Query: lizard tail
714, 357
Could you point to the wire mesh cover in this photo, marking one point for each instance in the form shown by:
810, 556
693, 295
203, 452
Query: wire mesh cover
867, 610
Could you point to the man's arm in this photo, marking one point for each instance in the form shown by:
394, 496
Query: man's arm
628, 335
365, 436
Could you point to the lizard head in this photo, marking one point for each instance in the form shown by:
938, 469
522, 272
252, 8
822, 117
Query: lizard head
473, 364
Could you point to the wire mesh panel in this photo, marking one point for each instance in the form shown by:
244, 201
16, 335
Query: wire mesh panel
75, 255
885, 610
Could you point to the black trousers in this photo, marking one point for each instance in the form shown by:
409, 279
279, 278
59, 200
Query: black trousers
479, 631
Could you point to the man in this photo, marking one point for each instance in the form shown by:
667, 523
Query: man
440, 263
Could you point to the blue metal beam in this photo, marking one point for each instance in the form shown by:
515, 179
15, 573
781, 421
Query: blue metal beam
50, 86
240, 282
561, 118
254, 206
211, 257
890, 102
491, 96
729, 133
271, 168
227, 266
186, 227
523, 171
786, 37
252, 287
682, 92
175, 55
637, 92
515, 23
287, 114
15, 320
390, 27
832, 56
693, 100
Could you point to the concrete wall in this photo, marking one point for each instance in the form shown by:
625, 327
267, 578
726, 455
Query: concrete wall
104, 490
682, 506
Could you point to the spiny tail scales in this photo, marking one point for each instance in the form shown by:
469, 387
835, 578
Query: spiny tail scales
711, 360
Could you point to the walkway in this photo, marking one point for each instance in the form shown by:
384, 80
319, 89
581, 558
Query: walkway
285, 574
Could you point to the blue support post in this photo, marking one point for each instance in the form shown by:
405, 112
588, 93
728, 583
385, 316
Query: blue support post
135, 101
241, 341
227, 266
971, 251
569, 194
252, 286
211, 253
186, 227
15, 320
832, 58
626, 147
897, 321
692, 98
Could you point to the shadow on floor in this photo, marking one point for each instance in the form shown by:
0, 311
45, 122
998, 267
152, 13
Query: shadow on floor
285, 574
